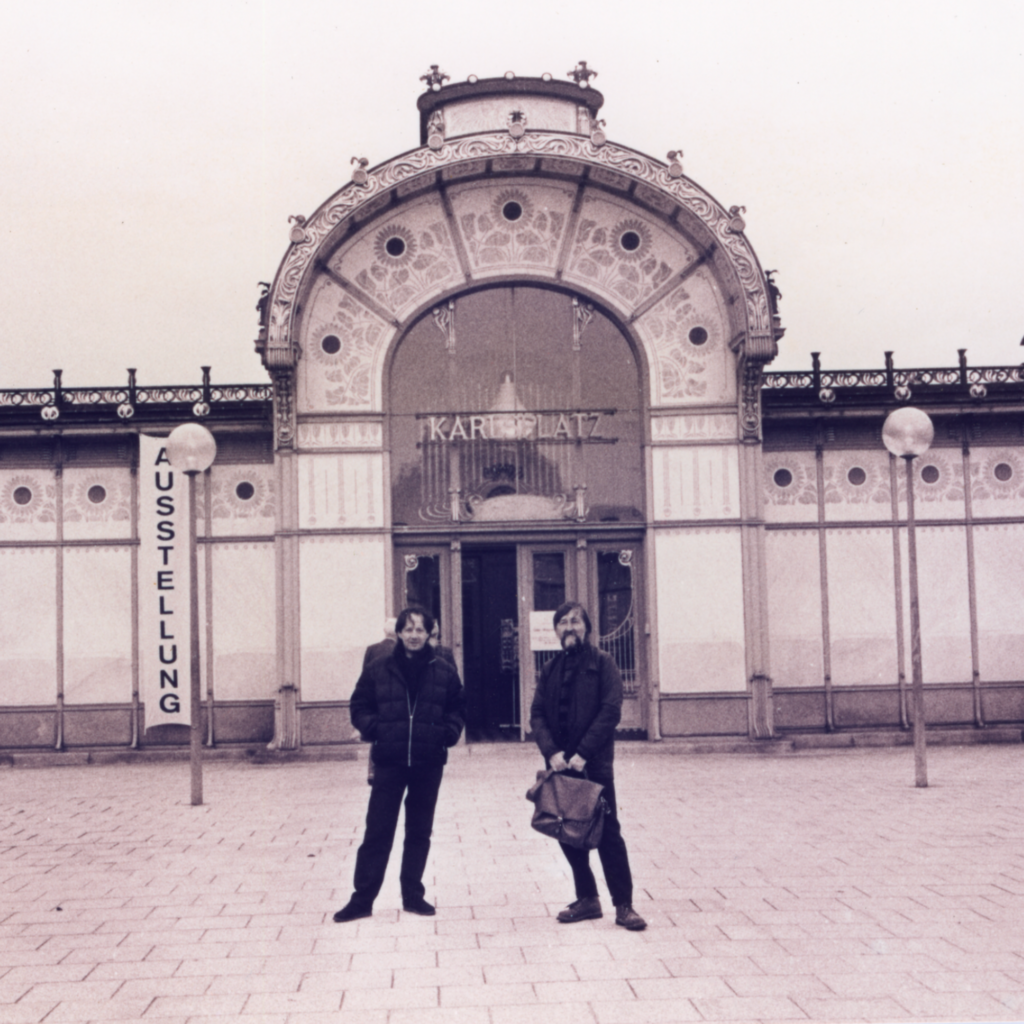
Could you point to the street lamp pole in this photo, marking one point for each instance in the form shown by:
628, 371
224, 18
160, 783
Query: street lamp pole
908, 433
191, 450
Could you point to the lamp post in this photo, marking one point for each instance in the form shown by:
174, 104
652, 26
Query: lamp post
191, 450
908, 433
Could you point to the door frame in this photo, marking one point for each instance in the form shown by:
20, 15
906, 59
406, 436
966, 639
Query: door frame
580, 548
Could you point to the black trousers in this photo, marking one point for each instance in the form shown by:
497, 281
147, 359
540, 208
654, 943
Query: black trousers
611, 850
419, 785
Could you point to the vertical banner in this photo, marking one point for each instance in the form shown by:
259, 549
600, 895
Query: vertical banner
164, 638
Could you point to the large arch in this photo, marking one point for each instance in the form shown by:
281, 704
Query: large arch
692, 237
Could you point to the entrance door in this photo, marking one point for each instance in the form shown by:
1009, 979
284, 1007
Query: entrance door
495, 602
490, 638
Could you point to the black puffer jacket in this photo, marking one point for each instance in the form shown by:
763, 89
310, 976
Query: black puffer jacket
406, 730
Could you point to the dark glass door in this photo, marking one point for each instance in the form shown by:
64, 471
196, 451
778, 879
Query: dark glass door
490, 636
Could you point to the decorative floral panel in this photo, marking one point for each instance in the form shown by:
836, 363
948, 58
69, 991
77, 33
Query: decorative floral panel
511, 225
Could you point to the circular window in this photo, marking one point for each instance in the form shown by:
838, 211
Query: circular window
331, 344
22, 495
512, 210
698, 336
930, 474
856, 476
97, 494
630, 241
783, 477
1003, 472
245, 490
395, 246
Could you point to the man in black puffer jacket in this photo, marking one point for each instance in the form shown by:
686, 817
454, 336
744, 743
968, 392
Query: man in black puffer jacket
410, 705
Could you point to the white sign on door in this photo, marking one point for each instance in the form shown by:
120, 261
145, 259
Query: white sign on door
542, 632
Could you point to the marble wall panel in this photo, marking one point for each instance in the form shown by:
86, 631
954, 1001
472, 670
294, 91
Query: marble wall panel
999, 575
862, 607
243, 499
28, 504
687, 336
342, 602
857, 485
794, 607
790, 487
496, 245
696, 482
243, 621
701, 644
97, 503
945, 615
997, 482
338, 491
28, 626
97, 625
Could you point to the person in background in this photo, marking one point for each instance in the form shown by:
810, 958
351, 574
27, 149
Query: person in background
576, 707
411, 706
442, 652
382, 648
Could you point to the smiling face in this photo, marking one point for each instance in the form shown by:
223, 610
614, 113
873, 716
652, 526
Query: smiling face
571, 629
413, 634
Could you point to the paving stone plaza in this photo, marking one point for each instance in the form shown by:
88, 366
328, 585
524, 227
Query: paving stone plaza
817, 886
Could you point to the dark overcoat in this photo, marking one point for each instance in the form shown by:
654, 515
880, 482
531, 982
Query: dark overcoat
409, 730
595, 708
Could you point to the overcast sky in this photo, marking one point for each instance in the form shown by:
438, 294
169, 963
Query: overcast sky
152, 152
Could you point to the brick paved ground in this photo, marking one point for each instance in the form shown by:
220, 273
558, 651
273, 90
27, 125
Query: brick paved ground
816, 886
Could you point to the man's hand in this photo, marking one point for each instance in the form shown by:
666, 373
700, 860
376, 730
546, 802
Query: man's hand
577, 763
558, 762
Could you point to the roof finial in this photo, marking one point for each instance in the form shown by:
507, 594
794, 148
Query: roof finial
581, 74
435, 78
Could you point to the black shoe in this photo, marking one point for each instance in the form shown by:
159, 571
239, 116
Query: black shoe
584, 909
352, 912
626, 916
418, 905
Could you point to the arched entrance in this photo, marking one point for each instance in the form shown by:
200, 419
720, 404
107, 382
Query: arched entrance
515, 435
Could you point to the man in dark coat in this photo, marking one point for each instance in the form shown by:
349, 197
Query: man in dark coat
410, 705
577, 705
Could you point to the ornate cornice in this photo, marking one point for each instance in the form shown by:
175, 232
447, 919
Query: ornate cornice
609, 157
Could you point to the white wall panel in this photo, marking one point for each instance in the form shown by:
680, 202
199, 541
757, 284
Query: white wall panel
790, 487
945, 608
28, 626
696, 482
938, 485
243, 621
28, 504
97, 503
97, 625
342, 607
997, 482
341, 490
243, 500
857, 485
794, 608
862, 607
700, 610
999, 571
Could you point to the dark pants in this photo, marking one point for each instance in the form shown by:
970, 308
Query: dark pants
419, 785
611, 850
